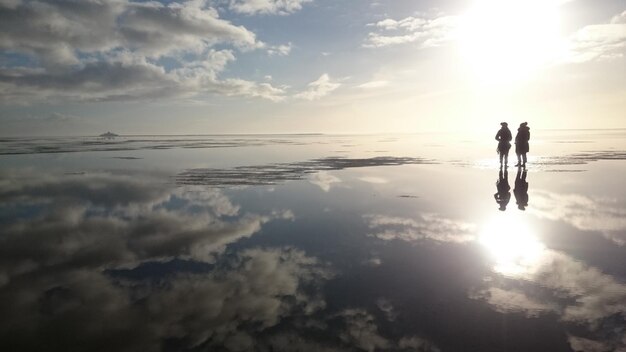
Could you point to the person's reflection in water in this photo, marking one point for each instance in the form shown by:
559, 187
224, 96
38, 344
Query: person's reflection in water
521, 189
503, 195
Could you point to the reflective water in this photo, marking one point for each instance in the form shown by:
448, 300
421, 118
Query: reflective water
312, 242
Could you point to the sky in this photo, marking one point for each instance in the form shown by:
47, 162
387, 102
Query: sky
84, 67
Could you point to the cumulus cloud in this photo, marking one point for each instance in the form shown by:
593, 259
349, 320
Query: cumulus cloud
425, 30
599, 41
127, 220
224, 308
426, 226
273, 7
95, 50
318, 88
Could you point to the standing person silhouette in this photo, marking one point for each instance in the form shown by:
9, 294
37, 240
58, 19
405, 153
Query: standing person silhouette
504, 137
521, 143
503, 195
521, 189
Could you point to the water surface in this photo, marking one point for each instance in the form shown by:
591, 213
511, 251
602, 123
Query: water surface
312, 242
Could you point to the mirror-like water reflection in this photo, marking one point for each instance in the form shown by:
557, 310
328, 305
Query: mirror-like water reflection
339, 243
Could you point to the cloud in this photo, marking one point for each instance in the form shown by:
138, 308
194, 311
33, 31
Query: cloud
294, 342
373, 179
250, 291
580, 344
324, 180
426, 226
578, 294
121, 59
361, 331
415, 343
511, 301
128, 221
425, 30
280, 50
599, 42
62, 265
65, 28
318, 88
226, 307
584, 213
373, 84
386, 307
131, 77
271, 7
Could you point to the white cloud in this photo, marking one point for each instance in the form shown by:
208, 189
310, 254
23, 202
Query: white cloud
95, 50
274, 7
508, 301
584, 213
280, 50
578, 294
599, 41
373, 84
137, 227
92, 228
426, 226
425, 30
319, 88
324, 180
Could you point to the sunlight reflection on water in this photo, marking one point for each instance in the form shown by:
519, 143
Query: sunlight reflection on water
512, 244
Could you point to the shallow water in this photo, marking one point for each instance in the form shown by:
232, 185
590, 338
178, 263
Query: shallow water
312, 242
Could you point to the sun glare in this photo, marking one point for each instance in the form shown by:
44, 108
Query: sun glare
512, 245
509, 40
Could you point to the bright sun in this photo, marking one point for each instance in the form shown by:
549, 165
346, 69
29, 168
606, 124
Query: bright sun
508, 40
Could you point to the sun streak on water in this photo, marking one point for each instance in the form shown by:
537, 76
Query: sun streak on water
512, 245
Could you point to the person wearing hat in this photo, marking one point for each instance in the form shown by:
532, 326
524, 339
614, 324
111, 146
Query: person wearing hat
521, 143
504, 137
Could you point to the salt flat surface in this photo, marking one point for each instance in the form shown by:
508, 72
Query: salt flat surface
312, 242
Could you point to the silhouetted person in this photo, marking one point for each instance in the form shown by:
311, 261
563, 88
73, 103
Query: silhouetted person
503, 195
521, 189
521, 143
504, 137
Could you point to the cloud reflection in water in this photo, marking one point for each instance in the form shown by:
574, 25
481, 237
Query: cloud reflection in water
555, 283
70, 235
